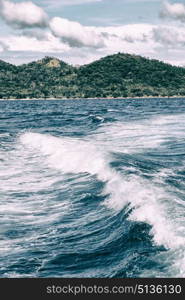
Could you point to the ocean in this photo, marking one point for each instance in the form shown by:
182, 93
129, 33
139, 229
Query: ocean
92, 188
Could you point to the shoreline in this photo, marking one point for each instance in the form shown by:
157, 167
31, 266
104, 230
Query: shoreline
99, 98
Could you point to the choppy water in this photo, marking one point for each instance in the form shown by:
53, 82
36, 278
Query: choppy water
92, 188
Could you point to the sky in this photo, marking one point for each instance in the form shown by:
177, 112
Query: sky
81, 31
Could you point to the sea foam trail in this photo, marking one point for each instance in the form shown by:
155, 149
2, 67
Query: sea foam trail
154, 201
22, 203
147, 201
138, 136
68, 155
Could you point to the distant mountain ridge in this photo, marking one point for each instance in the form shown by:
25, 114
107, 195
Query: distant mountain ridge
114, 76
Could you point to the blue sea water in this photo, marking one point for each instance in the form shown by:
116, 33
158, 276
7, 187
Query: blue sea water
92, 188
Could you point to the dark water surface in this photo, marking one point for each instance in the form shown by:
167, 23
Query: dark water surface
92, 188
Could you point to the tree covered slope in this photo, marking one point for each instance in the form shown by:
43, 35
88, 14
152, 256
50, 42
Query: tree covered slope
119, 75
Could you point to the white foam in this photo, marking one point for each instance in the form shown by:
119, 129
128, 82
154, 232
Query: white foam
148, 206
152, 201
68, 155
137, 136
23, 202
112, 110
4, 135
147, 201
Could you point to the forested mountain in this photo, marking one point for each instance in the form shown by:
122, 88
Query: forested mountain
119, 75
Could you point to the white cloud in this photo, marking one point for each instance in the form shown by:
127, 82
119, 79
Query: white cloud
22, 15
143, 39
3, 46
169, 36
25, 15
69, 40
75, 34
130, 32
174, 11
25, 43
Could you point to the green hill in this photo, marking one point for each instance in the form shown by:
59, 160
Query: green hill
119, 75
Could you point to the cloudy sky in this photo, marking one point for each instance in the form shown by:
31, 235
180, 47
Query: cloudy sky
81, 31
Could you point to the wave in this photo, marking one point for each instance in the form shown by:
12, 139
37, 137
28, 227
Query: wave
135, 168
148, 202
